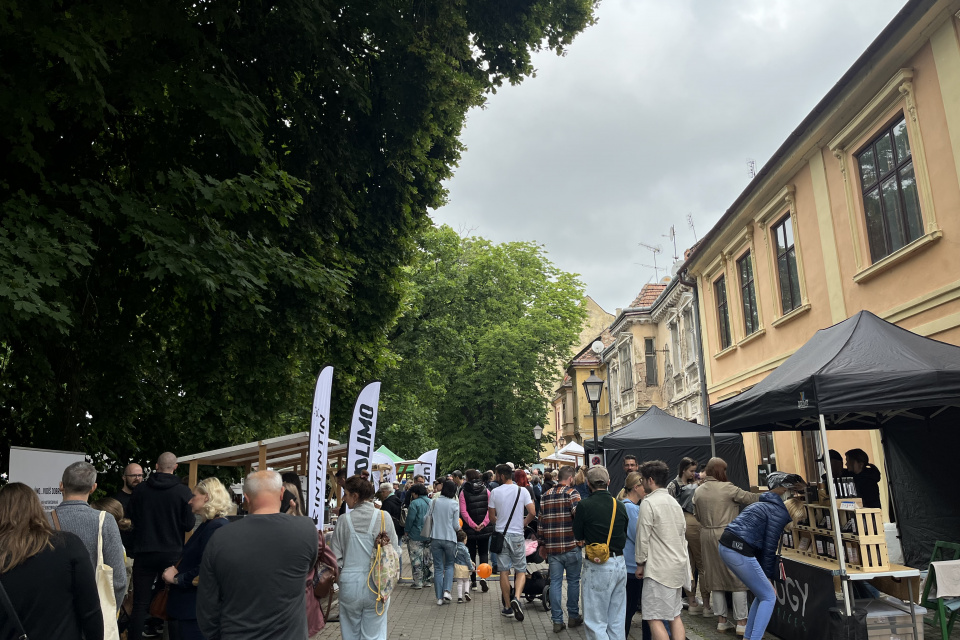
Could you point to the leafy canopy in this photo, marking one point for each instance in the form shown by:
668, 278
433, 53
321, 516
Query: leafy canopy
479, 342
202, 202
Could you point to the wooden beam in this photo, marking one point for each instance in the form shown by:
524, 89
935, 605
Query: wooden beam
193, 474
303, 463
262, 462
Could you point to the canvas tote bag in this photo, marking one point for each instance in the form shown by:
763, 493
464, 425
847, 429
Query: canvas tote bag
104, 577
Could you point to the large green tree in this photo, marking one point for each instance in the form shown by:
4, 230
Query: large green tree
203, 201
483, 329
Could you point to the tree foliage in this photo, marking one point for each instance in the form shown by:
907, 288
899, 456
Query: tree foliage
484, 327
202, 202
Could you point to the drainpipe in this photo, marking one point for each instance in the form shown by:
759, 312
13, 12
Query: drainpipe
704, 399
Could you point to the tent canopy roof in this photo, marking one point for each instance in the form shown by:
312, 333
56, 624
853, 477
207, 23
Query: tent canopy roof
281, 451
571, 449
390, 454
862, 372
654, 425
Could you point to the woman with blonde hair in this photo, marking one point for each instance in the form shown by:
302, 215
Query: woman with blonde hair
46, 574
631, 495
212, 503
716, 503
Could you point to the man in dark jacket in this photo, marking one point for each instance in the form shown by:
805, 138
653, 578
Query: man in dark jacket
161, 515
391, 504
866, 477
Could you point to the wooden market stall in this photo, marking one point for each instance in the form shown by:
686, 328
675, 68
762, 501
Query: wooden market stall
864, 373
281, 453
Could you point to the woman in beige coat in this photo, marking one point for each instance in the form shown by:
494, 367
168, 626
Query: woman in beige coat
716, 503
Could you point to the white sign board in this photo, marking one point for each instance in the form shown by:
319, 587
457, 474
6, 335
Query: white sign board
42, 469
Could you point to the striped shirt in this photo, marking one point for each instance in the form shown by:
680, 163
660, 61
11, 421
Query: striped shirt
556, 520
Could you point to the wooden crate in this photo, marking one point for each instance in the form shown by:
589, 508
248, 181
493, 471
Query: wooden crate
867, 523
866, 556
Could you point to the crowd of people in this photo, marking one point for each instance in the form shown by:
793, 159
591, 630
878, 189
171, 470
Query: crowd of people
646, 549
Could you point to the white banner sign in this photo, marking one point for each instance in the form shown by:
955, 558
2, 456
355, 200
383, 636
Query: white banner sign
319, 440
41, 470
429, 467
363, 430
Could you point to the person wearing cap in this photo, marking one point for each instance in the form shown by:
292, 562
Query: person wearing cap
749, 547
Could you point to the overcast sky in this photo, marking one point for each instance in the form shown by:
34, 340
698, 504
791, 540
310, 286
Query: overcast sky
650, 116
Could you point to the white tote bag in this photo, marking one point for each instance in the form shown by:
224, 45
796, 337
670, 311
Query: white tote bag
108, 601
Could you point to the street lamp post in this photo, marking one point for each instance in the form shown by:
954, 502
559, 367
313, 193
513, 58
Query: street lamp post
593, 387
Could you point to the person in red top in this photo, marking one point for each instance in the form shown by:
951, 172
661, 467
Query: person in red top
563, 553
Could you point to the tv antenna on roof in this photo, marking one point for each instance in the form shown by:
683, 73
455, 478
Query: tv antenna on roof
654, 250
692, 228
672, 236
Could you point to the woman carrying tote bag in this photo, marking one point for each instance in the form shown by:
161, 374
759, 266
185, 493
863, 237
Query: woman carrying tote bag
46, 574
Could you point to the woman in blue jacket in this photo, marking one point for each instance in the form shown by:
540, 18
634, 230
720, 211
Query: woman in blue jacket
211, 502
749, 547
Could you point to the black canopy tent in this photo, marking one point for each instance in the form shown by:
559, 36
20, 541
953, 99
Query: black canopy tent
656, 435
865, 373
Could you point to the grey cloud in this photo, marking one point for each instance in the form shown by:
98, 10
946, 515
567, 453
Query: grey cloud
650, 116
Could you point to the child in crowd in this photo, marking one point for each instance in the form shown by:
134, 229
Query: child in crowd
462, 568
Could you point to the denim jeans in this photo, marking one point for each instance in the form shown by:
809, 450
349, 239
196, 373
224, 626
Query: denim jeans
750, 574
444, 552
605, 599
569, 562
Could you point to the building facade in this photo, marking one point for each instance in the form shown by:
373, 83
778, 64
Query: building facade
566, 399
858, 209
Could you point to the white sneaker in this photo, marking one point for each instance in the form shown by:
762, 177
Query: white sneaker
447, 596
695, 610
708, 612
439, 601
741, 629
725, 626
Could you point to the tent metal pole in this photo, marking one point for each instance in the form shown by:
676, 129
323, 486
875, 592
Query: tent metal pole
834, 516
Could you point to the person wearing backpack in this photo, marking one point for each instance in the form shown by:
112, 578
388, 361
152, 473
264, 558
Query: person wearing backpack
362, 616
474, 505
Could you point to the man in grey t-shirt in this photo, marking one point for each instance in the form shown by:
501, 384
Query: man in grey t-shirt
253, 573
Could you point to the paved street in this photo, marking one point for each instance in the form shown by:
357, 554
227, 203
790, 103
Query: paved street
415, 615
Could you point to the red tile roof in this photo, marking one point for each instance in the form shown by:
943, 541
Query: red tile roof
648, 295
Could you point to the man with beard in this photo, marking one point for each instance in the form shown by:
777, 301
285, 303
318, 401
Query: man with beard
132, 476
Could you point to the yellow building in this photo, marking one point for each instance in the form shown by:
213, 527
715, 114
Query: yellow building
564, 403
858, 209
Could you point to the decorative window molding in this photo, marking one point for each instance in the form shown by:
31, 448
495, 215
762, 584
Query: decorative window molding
897, 95
897, 256
784, 319
784, 202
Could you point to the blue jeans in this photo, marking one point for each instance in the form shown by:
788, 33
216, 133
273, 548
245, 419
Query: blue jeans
444, 552
750, 574
569, 562
605, 599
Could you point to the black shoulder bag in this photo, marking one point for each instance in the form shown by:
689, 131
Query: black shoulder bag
497, 537
17, 625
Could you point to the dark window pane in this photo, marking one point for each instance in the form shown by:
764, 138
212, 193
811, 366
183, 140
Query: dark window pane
868, 168
778, 231
891, 214
723, 317
884, 155
875, 235
788, 230
901, 142
748, 295
908, 184
794, 281
783, 273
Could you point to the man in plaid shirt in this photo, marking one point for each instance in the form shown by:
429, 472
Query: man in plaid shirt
563, 553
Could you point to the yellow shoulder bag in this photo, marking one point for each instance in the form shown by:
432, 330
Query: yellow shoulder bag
600, 553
